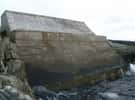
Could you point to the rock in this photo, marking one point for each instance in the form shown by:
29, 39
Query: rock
11, 93
43, 92
109, 96
13, 79
122, 89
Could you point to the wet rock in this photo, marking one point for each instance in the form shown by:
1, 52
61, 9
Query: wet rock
42, 92
122, 89
109, 96
11, 93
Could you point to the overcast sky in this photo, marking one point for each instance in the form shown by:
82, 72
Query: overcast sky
112, 18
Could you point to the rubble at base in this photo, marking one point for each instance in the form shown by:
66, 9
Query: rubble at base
12, 88
11, 93
122, 89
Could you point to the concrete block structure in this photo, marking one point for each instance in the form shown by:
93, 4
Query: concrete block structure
60, 53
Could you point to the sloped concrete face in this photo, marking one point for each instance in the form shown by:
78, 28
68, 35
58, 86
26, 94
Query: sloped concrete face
12, 21
59, 53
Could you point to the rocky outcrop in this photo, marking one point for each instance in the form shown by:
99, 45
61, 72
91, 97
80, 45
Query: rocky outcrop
12, 93
13, 80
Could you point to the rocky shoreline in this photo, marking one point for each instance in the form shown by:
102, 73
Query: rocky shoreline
121, 89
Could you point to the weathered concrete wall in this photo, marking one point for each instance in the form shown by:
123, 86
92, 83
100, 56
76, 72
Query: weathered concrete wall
58, 56
60, 48
58, 51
